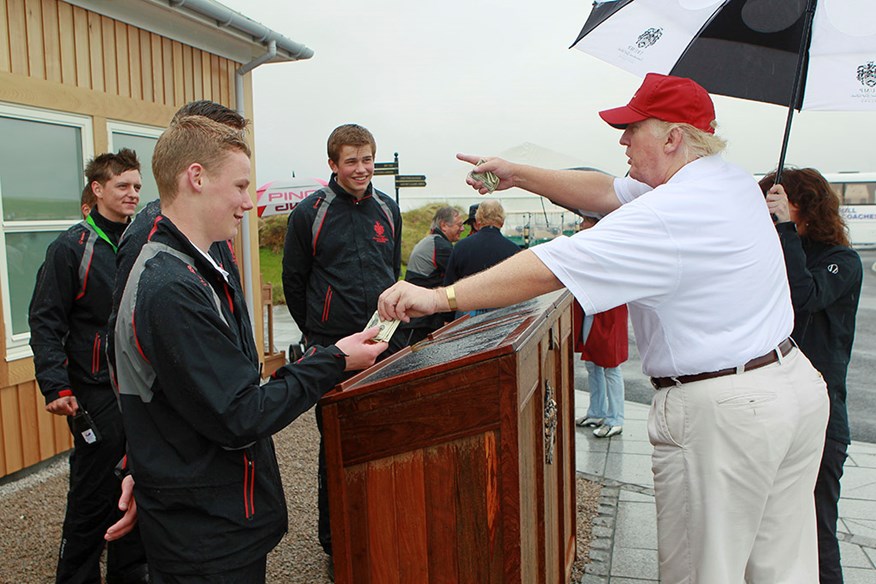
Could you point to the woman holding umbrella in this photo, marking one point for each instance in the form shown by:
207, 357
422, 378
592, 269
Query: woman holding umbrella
825, 277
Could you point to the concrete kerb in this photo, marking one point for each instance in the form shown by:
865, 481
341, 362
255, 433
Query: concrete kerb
603, 529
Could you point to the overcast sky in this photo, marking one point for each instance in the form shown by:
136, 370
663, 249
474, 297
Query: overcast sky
433, 78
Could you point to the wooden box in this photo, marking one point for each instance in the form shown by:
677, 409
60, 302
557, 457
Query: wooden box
454, 461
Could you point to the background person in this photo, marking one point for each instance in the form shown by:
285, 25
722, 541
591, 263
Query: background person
604, 345
825, 276
86, 201
737, 419
472, 227
68, 317
427, 265
342, 249
483, 248
198, 420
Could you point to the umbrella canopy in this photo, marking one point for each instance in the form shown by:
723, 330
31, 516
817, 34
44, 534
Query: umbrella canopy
280, 197
799, 53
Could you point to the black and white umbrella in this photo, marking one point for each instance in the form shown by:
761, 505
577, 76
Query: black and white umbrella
804, 54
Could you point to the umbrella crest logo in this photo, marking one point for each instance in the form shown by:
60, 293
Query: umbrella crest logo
649, 37
867, 74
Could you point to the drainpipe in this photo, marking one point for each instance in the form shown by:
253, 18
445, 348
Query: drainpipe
248, 276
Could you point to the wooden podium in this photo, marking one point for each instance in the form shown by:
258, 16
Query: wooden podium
454, 460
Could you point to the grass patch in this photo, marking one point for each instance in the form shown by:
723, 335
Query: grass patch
272, 271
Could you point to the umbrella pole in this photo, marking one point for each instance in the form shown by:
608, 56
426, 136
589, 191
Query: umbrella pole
798, 85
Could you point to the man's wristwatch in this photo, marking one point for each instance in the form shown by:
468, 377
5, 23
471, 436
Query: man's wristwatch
451, 297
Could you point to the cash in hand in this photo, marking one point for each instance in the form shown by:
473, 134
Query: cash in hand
489, 180
387, 327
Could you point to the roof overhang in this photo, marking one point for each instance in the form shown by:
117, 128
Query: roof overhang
203, 24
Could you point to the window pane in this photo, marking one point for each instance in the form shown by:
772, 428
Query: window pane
25, 253
143, 146
41, 170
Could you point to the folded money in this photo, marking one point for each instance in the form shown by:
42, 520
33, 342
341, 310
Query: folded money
489, 180
387, 327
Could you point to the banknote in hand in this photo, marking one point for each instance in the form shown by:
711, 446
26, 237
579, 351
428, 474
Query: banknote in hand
387, 327
490, 180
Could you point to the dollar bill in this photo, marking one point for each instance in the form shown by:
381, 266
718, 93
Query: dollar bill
387, 327
489, 180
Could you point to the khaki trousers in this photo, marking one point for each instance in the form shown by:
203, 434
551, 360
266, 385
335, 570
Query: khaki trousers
735, 462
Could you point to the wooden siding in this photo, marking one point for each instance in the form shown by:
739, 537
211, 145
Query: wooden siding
54, 41
60, 57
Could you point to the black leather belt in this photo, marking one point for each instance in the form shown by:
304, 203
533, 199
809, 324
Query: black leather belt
762, 361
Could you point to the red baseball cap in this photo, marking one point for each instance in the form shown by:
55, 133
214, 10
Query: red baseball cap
667, 98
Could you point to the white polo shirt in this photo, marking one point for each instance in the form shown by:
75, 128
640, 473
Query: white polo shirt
698, 261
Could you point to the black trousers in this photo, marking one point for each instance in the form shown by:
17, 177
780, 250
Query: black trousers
92, 501
827, 494
251, 574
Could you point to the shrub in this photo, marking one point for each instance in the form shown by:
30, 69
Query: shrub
272, 232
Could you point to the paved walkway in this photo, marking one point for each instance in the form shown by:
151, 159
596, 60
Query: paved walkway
624, 549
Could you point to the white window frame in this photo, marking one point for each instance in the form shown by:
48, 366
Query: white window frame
128, 128
17, 346
134, 130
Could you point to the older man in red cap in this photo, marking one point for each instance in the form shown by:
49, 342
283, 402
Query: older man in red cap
738, 418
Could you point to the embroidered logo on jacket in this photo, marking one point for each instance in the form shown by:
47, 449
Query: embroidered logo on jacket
833, 269
379, 233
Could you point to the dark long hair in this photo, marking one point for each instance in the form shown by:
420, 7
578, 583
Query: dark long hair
816, 201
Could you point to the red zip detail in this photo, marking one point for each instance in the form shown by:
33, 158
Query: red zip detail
327, 304
228, 296
85, 279
248, 484
95, 354
136, 339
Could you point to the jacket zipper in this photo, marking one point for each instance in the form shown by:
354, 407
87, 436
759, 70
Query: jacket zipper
248, 486
95, 355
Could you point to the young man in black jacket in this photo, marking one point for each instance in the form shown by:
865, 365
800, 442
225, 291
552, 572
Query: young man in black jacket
68, 323
342, 249
199, 423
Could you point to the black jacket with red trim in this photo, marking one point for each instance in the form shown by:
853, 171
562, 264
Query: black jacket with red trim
340, 254
130, 244
198, 422
70, 307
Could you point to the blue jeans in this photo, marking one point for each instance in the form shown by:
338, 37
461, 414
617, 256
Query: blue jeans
606, 394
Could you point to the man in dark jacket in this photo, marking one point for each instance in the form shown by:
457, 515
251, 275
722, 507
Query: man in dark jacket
342, 249
199, 423
426, 267
68, 323
484, 248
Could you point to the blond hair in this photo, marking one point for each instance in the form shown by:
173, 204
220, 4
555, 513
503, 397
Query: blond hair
697, 143
490, 212
191, 140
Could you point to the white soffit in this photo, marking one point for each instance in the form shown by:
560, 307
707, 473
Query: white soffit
203, 24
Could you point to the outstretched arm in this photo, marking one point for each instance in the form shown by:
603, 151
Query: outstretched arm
589, 190
520, 277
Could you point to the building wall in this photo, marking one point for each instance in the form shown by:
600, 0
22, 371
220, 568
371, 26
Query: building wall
63, 58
